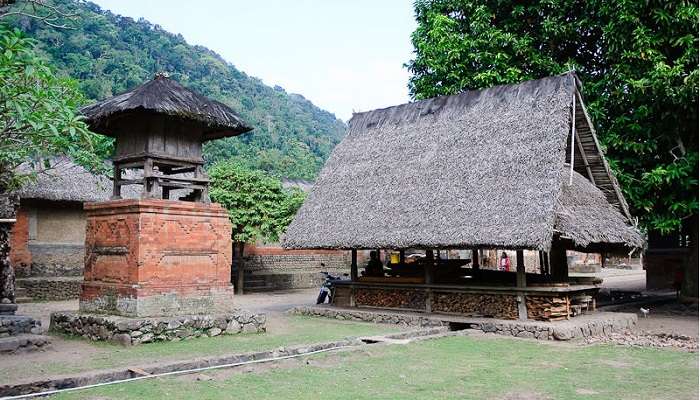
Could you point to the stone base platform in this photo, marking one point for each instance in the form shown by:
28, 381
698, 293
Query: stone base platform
23, 343
131, 331
13, 325
594, 324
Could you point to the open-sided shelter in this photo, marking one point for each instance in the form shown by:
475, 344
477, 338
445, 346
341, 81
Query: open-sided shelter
509, 167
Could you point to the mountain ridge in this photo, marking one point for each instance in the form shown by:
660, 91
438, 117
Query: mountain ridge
108, 54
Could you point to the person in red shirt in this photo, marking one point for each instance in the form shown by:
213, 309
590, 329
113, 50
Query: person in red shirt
504, 262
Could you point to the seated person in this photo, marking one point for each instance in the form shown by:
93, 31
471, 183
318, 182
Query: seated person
374, 266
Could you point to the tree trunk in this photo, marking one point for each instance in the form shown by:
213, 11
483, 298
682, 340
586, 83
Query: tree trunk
241, 270
8, 211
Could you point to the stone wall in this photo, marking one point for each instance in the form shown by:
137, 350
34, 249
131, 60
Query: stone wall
56, 259
13, 325
48, 239
272, 268
132, 331
52, 288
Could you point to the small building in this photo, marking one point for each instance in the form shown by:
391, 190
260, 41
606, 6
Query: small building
48, 239
513, 167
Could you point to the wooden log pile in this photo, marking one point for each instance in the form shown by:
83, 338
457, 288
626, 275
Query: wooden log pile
547, 308
476, 305
391, 298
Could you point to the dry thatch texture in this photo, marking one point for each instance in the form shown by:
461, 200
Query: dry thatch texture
67, 181
481, 168
585, 216
163, 95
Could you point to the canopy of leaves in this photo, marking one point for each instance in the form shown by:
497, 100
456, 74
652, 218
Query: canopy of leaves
258, 206
109, 54
638, 61
37, 113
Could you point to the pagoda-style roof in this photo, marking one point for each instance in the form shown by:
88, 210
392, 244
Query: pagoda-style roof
163, 95
482, 169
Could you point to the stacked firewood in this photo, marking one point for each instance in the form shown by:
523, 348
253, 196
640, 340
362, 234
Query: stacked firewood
476, 305
391, 298
547, 308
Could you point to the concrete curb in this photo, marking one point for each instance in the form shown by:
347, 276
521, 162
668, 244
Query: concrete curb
116, 374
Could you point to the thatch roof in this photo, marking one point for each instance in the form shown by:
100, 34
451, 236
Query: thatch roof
477, 169
69, 182
586, 218
163, 95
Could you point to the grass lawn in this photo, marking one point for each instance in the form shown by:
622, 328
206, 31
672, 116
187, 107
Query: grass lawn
73, 355
448, 368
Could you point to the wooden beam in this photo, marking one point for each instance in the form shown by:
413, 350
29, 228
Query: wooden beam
559, 266
585, 158
616, 185
520, 269
353, 265
116, 184
573, 136
475, 259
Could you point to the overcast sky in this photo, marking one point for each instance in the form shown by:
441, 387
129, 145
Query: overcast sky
343, 55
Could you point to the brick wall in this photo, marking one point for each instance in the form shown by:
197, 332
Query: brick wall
20, 256
157, 257
272, 267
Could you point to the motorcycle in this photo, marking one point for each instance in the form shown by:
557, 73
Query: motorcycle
327, 287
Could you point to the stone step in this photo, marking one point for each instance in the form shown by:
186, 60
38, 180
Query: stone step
23, 299
24, 343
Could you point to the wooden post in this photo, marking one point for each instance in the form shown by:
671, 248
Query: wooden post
475, 259
430, 259
520, 269
402, 256
353, 265
116, 185
541, 261
559, 266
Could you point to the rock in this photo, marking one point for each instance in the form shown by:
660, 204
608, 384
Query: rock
214, 332
233, 327
123, 339
526, 334
249, 328
204, 377
561, 333
146, 338
488, 327
136, 334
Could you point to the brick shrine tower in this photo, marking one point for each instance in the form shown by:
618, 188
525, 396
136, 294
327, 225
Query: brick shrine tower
156, 255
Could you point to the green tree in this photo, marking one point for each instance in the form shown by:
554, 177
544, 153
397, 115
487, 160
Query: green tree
37, 114
638, 61
258, 205
37, 121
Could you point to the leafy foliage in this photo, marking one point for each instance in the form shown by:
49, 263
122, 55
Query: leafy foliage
258, 206
37, 118
109, 54
638, 61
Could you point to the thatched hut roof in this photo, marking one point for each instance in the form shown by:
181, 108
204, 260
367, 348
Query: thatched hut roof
70, 182
478, 169
163, 95
586, 218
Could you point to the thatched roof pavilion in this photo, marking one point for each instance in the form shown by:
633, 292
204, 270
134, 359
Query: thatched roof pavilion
163, 95
509, 167
487, 168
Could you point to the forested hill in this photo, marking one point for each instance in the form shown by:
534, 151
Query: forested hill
108, 54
